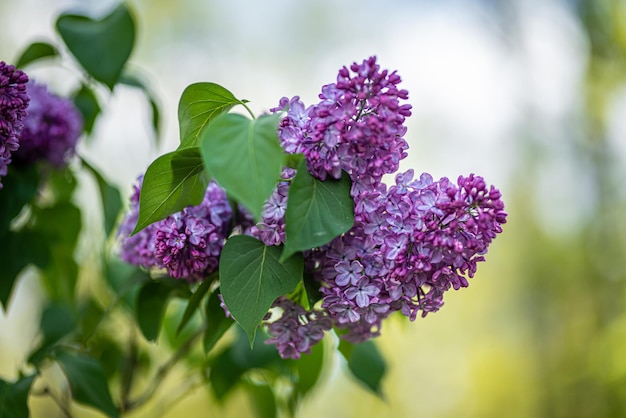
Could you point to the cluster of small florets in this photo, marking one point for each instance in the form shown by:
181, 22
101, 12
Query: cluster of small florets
271, 228
297, 330
357, 127
410, 242
51, 129
186, 244
413, 243
13, 108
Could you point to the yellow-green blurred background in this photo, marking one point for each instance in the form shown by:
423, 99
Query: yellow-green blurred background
528, 93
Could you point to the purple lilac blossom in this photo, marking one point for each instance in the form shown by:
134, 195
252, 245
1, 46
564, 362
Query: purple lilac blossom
51, 129
357, 127
186, 244
410, 243
14, 102
446, 229
297, 330
271, 228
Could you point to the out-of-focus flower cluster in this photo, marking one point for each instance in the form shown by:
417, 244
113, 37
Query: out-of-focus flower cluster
410, 242
13, 108
35, 125
51, 129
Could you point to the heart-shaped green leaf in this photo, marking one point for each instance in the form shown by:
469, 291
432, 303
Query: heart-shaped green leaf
172, 182
102, 46
198, 105
244, 156
251, 278
317, 211
35, 52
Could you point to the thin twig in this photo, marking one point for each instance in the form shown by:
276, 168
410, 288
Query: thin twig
163, 371
47, 392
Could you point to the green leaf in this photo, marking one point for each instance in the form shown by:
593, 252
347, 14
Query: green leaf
366, 364
225, 374
134, 81
87, 381
18, 188
230, 365
14, 397
217, 322
22, 248
151, 303
194, 302
251, 278
56, 322
293, 160
309, 369
125, 280
87, 103
244, 156
317, 211
262, 399
101, 46
60, 225
61, 184
312, 289
110, 196
35, 52
198, 105
171, 183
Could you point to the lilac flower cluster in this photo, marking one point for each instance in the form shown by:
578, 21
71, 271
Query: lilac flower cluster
357, 127
13, 108
271, 228
186, 244
410, 242
51, 129
413, 243
298, 329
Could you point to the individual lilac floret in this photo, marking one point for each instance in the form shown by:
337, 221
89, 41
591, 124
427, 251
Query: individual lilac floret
51, 129
297, 330
13, 109
357, 127
187, 244
271, 228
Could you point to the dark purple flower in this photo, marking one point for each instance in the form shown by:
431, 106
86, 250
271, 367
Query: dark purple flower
51, 129
14, 101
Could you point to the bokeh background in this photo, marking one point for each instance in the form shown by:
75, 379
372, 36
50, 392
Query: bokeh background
529, 94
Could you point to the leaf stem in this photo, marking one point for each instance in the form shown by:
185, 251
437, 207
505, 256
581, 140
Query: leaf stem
248, 109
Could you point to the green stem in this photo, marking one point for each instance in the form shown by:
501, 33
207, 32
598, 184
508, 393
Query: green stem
163, 371
248, 109
47, 392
